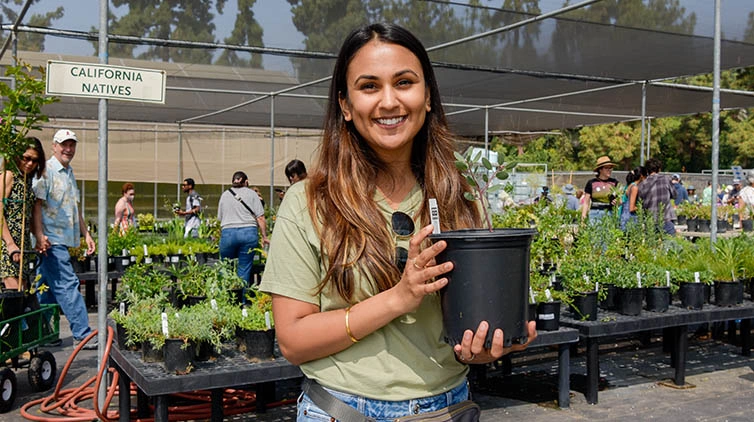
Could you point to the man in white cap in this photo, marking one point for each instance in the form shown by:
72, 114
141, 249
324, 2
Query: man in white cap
58, 225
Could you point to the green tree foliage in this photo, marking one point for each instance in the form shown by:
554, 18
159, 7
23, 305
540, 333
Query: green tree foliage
246, 31
27, 40
186, 20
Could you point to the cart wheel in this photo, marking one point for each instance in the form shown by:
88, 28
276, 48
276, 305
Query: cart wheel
7, 389
42, 371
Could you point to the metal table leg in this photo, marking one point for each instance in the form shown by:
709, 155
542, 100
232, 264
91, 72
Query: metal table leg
746, 337
161, 408
564, 376
592, 370
680, 346
124, 395
142, 404
217, 405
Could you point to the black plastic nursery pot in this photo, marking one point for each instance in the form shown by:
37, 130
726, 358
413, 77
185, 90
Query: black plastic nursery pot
489, 282
179, 355
150, 354
257, 345
610, 301
727, 293
658, 299
548, 316
703, 226
630, 300
747, 225
692, 224
691, 295
584, 306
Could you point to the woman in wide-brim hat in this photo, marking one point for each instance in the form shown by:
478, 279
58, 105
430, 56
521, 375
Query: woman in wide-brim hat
598, 197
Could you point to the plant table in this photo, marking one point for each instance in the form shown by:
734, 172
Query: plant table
676, 319
153, 380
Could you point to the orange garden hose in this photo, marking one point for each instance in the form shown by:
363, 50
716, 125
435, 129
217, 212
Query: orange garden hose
64, 405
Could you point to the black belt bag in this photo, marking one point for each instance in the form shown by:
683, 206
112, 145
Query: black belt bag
465, 411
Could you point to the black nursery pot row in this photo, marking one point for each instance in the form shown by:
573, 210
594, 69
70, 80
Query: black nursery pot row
179, 356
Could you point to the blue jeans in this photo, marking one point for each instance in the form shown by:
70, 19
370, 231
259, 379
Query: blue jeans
57, 273
381, 410
238, 243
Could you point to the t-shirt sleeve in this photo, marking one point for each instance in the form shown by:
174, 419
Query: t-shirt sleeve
39, 185
293, 264
588, 188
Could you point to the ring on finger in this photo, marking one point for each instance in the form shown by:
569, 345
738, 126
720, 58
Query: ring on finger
470, 358
413, 261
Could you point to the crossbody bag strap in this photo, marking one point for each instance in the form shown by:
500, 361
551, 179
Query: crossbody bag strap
331, 404
239, 199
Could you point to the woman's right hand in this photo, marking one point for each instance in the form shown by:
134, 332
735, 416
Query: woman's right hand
420, 275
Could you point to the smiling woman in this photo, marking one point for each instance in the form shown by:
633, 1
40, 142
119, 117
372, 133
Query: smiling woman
350, 245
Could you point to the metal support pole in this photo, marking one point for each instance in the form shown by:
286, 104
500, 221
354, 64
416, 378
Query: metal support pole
715, 124
649, 138
643, 117
180, 163
487, 132
272, 150
102, 202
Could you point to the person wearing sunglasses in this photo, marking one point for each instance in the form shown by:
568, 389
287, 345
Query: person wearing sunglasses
353, 276
16, 208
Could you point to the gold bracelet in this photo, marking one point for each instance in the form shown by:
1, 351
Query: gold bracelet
348, 326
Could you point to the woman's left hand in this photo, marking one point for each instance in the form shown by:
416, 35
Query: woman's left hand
472, 351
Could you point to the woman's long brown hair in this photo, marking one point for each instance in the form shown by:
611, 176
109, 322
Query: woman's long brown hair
353, 232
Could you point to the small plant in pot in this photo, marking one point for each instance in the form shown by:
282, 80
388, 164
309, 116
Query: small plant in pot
255, 328
548, 302
659, 288
726, 266
490, 276
629, 280
583, 292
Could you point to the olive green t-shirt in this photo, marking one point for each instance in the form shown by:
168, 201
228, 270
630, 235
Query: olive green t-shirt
403, 360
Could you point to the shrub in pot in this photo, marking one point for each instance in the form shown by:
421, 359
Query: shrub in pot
255, 328
490, 278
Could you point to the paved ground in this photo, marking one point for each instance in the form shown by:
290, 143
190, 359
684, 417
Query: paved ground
723, 385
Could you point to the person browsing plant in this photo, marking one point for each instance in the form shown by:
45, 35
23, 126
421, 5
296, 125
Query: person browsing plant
599, 198
353, 277
242, 222
124, 209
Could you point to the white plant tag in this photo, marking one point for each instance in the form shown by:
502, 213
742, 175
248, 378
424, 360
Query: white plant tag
531, 295
546, 317
434, 214
552, 279
667, 278
267, 320
180, 251
124, 252
638, 279
596, 286
548, 295
145, 249
122, 308
245, 313
608, 270
165, 324
696, 277
213, 303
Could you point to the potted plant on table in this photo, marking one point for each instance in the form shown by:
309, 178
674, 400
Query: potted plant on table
490, 276
255, 328
726, 265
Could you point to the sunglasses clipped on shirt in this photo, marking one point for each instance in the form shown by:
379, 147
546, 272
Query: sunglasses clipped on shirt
403, 227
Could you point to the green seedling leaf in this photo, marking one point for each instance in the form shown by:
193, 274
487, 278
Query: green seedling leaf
486, 163
502, 175
461, 166
469, 196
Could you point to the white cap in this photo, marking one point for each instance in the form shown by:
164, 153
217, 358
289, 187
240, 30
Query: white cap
63, 135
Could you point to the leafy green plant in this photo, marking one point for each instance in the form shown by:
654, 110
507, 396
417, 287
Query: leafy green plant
258, 312
117, 242
480, 173
143, 281
145, 222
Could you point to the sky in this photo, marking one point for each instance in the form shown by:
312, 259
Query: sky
279, 31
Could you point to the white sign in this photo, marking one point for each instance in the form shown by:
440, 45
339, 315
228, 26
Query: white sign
105, 81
